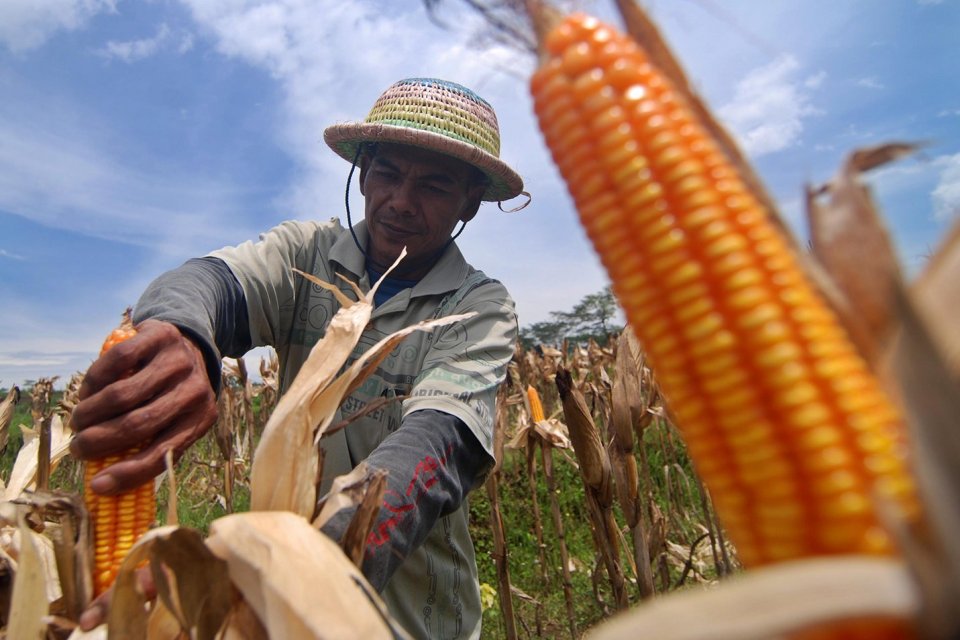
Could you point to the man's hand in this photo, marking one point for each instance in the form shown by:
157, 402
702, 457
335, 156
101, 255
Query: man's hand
151, 390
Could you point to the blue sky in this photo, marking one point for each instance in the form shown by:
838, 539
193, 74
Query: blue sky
137, 134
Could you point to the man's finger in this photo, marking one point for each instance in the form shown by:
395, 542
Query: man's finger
96, 613
145, 465
133, 427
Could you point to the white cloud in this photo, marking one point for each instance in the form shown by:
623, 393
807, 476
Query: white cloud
331, 60
815, 81
870, 82
948, 113
326, 76
768, 107
30, 360
133, 50
9, 255
62, 174
26, 24
946, 195
20, 367
186, 43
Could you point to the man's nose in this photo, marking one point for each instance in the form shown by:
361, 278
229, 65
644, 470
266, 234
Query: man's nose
403, 197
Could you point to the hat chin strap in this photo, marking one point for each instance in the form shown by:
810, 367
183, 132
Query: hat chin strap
356, 240
346, 202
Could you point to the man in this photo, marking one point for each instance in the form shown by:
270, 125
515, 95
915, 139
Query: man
428, 154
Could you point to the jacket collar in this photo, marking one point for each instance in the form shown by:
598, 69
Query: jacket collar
446, 275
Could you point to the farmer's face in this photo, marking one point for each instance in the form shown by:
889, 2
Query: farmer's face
414, 198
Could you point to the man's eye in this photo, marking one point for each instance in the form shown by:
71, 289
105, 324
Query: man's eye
386, 174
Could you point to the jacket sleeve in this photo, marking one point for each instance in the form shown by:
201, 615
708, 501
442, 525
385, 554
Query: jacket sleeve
432, 461
203, 299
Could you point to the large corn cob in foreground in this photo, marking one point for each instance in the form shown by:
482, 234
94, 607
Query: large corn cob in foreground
785, 423
117, 521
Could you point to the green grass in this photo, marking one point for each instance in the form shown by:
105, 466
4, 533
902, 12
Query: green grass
523, 558
593, 599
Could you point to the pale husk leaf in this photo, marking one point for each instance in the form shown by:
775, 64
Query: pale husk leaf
345, 492
851, 241
550, 433
12, 546
28, 604
287, 452
553, 432
774, 602
7, 406
931, 395
242, 623
191, 582
936, 292
280, 564
66, 526
128, 618
162, 623
99, 633
24, 473
326, 402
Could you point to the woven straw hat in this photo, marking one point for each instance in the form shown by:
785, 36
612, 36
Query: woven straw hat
436, 115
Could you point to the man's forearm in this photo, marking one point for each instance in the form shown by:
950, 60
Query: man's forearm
432, 461
205, 301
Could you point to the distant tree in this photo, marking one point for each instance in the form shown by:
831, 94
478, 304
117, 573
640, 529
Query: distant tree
593, 317
547, 332
594, 314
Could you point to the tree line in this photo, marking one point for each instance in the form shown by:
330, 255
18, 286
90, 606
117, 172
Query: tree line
597, 316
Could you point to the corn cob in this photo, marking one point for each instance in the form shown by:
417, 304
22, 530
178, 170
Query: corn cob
536, 407
783, 420
120, 520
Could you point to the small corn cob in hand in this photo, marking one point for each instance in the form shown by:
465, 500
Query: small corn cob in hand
789, 429
117, 521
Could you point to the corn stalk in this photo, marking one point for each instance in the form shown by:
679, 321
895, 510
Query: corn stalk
597, 480
500, 552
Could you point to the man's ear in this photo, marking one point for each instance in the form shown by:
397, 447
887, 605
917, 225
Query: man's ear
474, 201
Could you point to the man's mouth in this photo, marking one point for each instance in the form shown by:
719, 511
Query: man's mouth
395, 230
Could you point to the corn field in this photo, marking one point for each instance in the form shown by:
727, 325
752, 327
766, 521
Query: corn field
769, 449
626, 545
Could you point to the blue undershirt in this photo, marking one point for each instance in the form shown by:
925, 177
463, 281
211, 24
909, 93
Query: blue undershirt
389, 287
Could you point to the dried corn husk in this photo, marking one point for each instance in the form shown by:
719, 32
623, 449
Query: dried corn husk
297, 580
773, 602
594, 463
24, 473
361, 489
7, 406
847, 233
287, 453
29, 603
936, 294
931, 395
